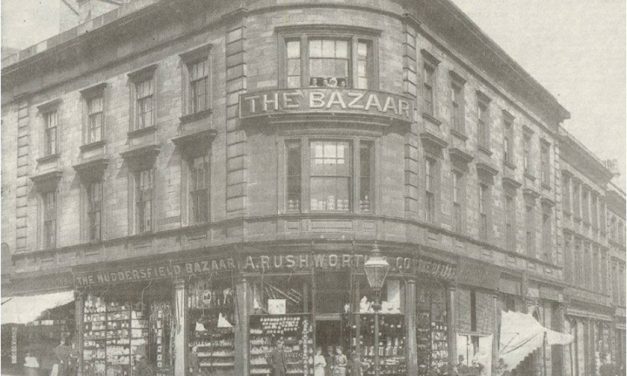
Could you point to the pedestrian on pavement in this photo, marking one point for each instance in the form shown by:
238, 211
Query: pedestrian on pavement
277, 359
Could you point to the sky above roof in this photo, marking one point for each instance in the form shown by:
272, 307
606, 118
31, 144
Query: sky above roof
575, 48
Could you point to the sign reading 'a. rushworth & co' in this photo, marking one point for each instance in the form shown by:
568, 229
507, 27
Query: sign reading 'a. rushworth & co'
317, 100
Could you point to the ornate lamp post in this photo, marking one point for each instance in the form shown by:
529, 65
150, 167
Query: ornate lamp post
376, 269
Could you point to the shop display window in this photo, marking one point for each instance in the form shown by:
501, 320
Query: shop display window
211, 310
38, 339
287, 294
124, 324
431, 329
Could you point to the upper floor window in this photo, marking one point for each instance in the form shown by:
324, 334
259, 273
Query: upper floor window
94, 210
430, 189
602, 215
484, 211
323, 58
428, 91
50, 132
198, 86
199, 189
457, 104
95, 118
331, 176
508, 139
528, 166
545, 162
196, 80
144, 103
585, 205
530, 230
144, 186
566, 192
49, 201
94, 113
577, 199
594, 214
547, 231
335, 176
510, 222
483, 121
458, 201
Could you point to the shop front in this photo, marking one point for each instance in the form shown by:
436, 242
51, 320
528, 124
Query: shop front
225, 314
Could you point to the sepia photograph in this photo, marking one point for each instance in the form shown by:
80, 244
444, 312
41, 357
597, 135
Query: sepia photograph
313, 187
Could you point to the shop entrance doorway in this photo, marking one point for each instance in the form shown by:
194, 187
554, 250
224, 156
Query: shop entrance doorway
328, 334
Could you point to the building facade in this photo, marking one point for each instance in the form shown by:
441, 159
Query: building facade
206, 177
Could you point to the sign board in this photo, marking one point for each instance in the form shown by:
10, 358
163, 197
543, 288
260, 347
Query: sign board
277, 306
319, 100
170, 269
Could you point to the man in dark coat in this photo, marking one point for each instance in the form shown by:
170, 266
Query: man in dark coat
278, 359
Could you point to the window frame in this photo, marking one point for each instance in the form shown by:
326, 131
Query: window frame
510, 221
306, 175
194, 192
508, 139
458, 190
545, 163
304, 33
484, 210
89, 94
457, 101
136, 79
90, 210
547, 233
188, 59
47, 142
349, 177
530, 229
431, 175
49, 219
138, 197
483, 122
527, 153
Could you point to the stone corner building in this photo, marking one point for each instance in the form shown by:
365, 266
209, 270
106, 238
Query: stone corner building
203, 177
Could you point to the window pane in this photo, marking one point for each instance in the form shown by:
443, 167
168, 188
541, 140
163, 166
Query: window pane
362, 49
293, 67
293, 49
293, 175
365, 168
330, 193
341, 49
293, 82
328, 48
315, 48
362, 83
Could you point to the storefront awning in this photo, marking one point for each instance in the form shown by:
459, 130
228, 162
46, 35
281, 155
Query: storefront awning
24, 309
521, 334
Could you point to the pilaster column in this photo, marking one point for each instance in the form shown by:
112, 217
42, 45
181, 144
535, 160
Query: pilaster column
451, 318
79, 302
242, 311
180, 340
410, 327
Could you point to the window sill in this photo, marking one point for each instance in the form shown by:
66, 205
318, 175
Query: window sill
485, 150
188, 118
92, 145
431, 118
48, 158
142, 131
459, 134
529, 176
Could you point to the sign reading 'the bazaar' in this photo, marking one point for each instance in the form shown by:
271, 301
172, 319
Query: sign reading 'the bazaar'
365, 102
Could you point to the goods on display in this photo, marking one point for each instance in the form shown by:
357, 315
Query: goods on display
295, 330
115, 332
211, 317
391, 345
431, 331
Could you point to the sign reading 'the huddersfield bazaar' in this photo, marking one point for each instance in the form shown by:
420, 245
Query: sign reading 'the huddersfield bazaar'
316, 100
257, 263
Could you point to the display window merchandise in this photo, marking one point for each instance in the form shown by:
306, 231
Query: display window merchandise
127, 329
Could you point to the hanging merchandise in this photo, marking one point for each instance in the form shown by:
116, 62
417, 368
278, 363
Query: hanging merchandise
296, 332
431, 331
211, 311
160, 346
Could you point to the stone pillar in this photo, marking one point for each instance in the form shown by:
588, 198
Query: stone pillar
451, 318
242, 311
79, 302
410, 327
180, 317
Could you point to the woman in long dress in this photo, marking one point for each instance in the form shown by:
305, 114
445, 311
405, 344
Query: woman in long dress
320, 363
340, 363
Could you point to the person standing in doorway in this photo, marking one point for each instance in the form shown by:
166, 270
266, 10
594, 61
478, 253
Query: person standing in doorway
277, 359
330, 359
340, 363
320, 364
63, 353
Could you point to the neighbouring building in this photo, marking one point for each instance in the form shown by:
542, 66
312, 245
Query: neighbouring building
190, 180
